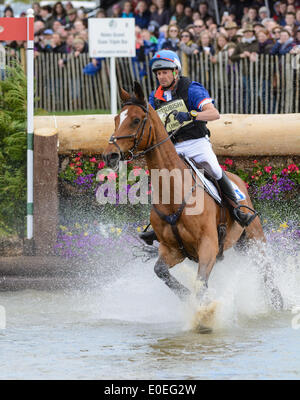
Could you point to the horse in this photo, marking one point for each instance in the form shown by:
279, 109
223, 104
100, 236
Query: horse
139, 132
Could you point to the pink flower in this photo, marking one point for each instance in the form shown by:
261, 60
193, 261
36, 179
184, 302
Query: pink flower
79, 171
72, 165
268, 169
224, 168
77, 159
293, 167
93, 160
255, 161
284, 171
101, 165
252, 176
147, 171
78, 164
79, 154
228, 161
274, 177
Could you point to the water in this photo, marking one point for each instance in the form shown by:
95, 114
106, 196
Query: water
128, 325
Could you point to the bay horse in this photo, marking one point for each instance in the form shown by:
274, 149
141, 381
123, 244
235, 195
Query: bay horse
140, 133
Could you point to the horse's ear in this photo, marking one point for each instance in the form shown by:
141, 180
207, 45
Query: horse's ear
125, 96
138, 91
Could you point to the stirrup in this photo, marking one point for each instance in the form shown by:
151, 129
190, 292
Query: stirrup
250, 217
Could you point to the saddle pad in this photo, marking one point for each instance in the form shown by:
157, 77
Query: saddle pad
210, 187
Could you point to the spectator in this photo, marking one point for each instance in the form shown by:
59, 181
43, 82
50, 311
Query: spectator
100, 14
205, 45
213, 30
162, 14
188, 12
247, 46
36, 9
276, 32
8, 12
203, 11
199, 27
71, 19
223, 45
47, 17
282, 12
228, 8
127, 10
285, 43
69, 43
250, 17
298, 17
57, 44
262, 13
172, 39
290, 20
265, 43
69, 6
116, 11
258, 26
56, 26
187, 44
45, 44
181, 19
142, 16
231, 30
297, 38
149, 42
59, 13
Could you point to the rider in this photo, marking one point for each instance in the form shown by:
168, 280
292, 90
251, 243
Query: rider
194, 108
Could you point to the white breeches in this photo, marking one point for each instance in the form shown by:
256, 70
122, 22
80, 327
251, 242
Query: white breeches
201, 151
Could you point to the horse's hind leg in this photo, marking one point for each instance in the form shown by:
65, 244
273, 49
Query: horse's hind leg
254, 233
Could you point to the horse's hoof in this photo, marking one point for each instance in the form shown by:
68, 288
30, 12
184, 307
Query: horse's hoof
203, 329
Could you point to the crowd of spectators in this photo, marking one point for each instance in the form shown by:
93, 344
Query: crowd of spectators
245, 28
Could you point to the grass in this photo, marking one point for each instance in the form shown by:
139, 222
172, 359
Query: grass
41, 112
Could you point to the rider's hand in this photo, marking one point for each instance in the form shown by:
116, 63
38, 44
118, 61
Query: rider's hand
183, 116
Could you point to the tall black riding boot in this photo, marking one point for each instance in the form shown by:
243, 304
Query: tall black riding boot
148, 237
244, 219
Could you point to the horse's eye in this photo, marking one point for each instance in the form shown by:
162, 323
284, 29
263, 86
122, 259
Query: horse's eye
136, 121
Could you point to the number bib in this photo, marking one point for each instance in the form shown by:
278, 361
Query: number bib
163, 111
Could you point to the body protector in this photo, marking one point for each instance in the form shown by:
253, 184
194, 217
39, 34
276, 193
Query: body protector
190, 129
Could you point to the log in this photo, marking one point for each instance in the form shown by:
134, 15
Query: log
231, 135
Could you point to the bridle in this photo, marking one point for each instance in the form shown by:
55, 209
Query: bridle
137, 139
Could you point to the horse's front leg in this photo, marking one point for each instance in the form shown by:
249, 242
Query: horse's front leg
207, 254
165, 261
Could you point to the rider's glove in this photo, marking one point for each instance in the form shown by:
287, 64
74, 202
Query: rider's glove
183, 116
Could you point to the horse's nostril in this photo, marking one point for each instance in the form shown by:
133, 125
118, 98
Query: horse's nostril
114, 156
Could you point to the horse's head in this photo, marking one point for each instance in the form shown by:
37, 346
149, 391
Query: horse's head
132, 128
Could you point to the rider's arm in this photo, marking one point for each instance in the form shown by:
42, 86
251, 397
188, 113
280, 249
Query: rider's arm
208, 113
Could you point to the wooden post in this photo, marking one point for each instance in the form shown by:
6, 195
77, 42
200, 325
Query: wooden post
45, 192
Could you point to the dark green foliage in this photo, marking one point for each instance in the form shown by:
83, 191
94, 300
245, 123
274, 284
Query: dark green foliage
13, 151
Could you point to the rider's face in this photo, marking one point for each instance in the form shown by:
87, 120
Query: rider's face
165, 77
